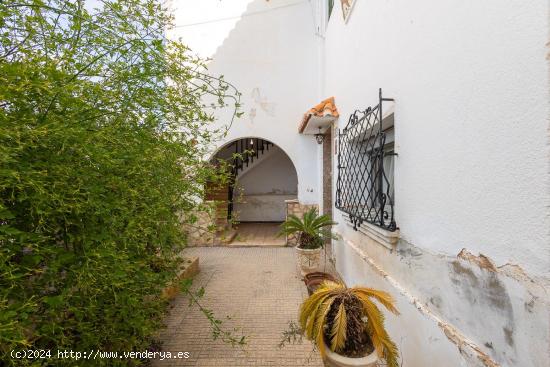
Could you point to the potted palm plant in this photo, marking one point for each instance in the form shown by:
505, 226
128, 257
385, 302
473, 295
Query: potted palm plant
311, 231
348, 327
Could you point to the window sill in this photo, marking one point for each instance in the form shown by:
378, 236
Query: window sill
384, 237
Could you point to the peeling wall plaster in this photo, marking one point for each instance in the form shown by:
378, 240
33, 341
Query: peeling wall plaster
496, 313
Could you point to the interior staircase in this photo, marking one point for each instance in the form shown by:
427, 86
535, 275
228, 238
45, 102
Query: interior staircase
246, 151
246, 154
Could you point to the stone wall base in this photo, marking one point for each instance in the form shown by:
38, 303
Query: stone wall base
294, 207
202, 229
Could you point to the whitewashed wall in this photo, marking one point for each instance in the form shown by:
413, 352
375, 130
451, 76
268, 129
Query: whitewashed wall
470, 80
270, 57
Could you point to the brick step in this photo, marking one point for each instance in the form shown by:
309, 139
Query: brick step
227, 236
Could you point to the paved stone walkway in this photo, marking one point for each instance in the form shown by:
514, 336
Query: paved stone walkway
261, 292
258, 235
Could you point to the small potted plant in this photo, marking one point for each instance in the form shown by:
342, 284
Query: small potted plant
311, 232
348, 327
315, 279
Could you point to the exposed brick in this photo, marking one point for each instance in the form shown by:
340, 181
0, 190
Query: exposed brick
327, 173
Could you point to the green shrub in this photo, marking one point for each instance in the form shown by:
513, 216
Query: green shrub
102, 135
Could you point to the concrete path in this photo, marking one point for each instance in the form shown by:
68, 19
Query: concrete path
258, 288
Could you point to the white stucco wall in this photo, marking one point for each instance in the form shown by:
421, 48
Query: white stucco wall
471, 89
268, 57
471, 85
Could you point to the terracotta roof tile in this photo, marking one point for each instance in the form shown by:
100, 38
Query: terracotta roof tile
327, 108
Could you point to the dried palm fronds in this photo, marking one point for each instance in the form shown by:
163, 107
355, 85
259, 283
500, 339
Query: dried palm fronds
334, 313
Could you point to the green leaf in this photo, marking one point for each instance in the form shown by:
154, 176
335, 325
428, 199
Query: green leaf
54, 301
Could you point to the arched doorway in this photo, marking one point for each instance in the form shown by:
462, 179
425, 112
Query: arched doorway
263, 179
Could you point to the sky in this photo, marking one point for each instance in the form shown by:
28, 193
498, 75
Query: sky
203, 25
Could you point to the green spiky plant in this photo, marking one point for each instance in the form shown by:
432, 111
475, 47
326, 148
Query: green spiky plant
348, 321
312, 229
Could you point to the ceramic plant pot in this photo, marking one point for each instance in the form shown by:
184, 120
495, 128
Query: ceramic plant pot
314, 280
333, 359
308, 260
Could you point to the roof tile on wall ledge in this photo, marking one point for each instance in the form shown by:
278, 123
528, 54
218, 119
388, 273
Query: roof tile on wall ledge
327, 108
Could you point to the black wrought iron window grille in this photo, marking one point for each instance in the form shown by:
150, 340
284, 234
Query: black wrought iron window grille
363, 188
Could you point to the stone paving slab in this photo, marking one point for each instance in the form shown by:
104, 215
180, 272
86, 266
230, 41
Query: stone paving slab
258, 235
259, 289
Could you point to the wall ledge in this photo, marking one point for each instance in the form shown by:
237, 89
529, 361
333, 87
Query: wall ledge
381, 236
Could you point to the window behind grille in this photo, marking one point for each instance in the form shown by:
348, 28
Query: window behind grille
365, 168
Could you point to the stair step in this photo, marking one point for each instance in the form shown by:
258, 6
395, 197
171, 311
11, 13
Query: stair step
227, 236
